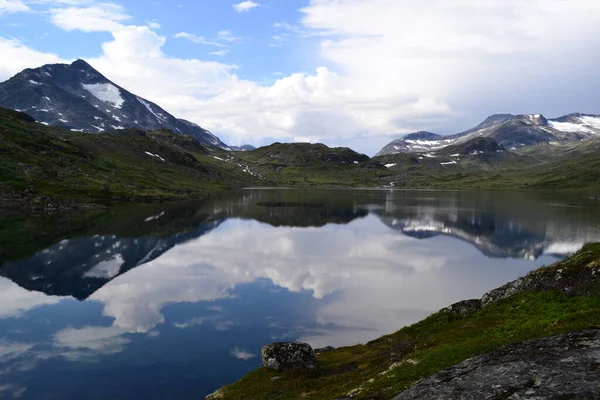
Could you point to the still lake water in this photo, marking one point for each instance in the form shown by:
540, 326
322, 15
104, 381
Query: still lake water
174, 301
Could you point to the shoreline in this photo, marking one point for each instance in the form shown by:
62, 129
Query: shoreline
562, 298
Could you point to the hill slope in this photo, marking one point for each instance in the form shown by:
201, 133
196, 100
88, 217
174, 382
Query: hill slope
79, 98
38, 162
311, 164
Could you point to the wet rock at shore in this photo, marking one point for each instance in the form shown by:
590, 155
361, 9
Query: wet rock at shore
284, 356
560, 367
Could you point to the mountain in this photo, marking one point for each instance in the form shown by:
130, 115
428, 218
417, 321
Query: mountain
77, 97
244, 147
79, 266
510, 131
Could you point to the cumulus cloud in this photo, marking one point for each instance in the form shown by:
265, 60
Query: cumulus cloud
245, 6
17, 56
381, 68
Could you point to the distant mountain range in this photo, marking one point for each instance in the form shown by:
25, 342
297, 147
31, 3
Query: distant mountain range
510, 131
77, 97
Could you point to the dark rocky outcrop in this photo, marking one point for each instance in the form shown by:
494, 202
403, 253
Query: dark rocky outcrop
571, 282
324, 349
78, 97
285, 356
559, 367
463, 308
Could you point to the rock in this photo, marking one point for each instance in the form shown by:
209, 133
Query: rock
324, 349
560, 367
463, 308
400, 350
570, 283
285, 356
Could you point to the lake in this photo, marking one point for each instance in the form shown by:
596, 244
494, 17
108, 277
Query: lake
175, 300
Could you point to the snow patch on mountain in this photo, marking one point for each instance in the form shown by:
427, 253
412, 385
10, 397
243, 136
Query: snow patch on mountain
569, 127
106, 269
594, 122
149, 107
106, 92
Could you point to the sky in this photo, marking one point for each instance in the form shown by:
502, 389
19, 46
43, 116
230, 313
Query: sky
356, 73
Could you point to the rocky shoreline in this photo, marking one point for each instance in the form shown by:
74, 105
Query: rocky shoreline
566, 365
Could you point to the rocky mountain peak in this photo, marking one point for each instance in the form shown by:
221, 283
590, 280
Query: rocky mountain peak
78, 97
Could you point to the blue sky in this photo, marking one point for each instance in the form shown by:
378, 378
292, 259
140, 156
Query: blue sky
357, 73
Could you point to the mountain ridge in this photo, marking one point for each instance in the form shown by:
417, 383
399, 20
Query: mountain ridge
79, 98
510, 131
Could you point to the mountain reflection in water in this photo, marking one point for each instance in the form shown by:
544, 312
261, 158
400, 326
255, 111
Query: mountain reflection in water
182, 296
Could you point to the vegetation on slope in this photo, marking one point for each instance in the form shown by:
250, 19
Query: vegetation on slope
40, 162
384, 367
478, 164
305, 164
40, 165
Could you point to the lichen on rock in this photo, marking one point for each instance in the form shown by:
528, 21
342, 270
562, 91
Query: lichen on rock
285, 356
565, 366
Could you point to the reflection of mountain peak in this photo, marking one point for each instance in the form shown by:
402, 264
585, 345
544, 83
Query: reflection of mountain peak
80, 266
492, 237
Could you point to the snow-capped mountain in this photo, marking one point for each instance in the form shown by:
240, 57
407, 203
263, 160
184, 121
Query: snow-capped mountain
79, 266
77, 97
510, 131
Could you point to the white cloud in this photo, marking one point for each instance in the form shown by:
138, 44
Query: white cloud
219, 53
387, 67
242, 354
98, 17
189, 323
98, 339
15, 301
245, 6
16, 57
153, 25
227, 36
13, 6
197, 39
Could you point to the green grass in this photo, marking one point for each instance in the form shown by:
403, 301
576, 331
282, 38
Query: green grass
384, 367
303, 164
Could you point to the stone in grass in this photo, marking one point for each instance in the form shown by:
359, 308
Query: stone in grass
285, 356
463, 308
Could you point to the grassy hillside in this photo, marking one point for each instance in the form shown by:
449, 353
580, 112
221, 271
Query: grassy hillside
39, 162
478, 164
305, 164
384, 367
40, 165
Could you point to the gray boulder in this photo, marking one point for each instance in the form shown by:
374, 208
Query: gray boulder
284, 356
560, 367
